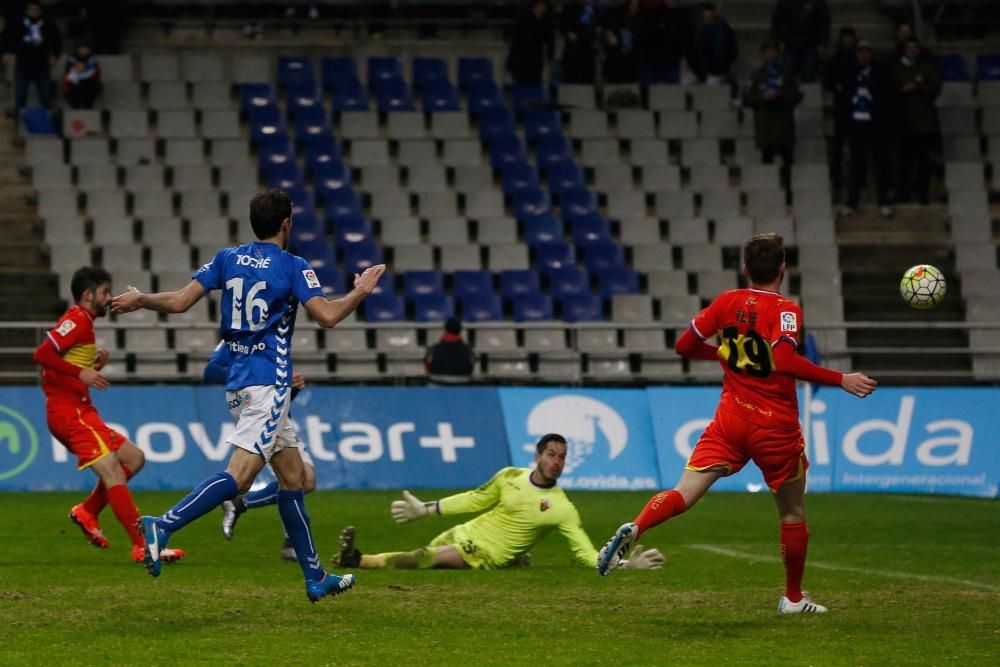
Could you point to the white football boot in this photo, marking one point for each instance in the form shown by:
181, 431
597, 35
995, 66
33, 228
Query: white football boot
803, 606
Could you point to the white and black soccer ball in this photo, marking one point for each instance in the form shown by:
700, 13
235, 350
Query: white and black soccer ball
923, 286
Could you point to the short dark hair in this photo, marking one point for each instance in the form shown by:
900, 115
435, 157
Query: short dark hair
763, 256
453, 326
268, 210
546, 439
770, 44
914, 40
87, 278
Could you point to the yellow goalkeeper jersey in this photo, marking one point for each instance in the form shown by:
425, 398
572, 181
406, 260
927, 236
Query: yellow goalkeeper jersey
523, 513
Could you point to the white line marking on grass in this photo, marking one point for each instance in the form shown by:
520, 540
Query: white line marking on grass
848, 568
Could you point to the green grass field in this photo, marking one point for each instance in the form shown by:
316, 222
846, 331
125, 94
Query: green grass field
909, 580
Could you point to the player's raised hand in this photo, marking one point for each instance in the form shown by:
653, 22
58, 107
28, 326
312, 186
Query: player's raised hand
94, 379
366, 282
126, 302
642, 558
858, 384
100, 359
410, 508
298, 381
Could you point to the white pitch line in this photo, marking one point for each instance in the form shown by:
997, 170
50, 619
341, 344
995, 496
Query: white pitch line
847, 568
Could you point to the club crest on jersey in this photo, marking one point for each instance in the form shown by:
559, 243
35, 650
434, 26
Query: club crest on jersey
789, 322
311, 280
66, 327
545, 504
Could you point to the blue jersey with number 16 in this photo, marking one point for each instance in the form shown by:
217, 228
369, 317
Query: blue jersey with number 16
262, 287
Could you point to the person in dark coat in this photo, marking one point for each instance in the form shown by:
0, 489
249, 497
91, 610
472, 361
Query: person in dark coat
579, 27
871, 97
82, 80
621, 24
34, 45
532, 44
450, 360
918, 83
803, 26
837, 81
773, 93
712, 48
661, 41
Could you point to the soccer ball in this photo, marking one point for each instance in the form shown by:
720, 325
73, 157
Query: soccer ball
922, 286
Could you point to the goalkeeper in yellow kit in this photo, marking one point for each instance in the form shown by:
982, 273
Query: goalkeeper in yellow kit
526, 506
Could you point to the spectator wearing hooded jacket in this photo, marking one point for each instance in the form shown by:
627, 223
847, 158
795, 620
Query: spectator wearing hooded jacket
918, 83
82, 80
34, 46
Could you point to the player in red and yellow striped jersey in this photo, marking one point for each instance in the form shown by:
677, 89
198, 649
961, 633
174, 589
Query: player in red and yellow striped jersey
71, 365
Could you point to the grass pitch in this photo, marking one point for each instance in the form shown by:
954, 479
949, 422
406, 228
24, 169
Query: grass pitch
909, 580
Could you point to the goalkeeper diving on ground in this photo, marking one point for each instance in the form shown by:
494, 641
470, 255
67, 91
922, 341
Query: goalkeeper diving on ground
524, 504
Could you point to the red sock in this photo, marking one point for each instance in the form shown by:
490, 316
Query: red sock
660, 507
125, 511
794, 544
98, 498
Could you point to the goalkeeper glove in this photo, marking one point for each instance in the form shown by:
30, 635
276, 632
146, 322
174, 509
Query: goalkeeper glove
644, 559
411, 508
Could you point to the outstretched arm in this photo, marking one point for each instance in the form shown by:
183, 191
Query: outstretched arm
329, 312
579, 542
692, 346
178, 301
787, 360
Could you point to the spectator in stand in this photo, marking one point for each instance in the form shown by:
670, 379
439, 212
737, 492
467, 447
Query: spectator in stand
773, 93
34, 46
579, 27
532, 44
837, 81
871, 97
712, 47
450, 360
621, 24
803, 26
82, 81
904, 33
661, 41
918, 82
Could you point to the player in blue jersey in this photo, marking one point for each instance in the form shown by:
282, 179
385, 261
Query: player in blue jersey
262, 286
216, 372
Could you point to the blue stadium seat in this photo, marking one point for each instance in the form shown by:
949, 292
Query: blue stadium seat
569, 280
433, 308
590, 229
468, 283
266, 114
36, 120
267, 123
428, 71
302, 200
519, 176
336, 70
483, 96
352, 229
359, 256
386, 284
542, 124
295, 69
473, 71
331, 279
482, 308
331, 176
303, 96
495, 123
315, 249
440, 96
953, 66
552, 150
394, 95
555, 255
531, 203
532, 308
988, 67
504, 150
284, 176
530, 97
543, 229
256, 95
617, 281
311, 122
601, 256
515, 282
321, 150
384, 308
422, 283
578, 203
582, 308
274, 150
382, 69
563, 176
350, 96
341, 202
306, 227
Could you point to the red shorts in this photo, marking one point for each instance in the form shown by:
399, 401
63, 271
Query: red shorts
82, 431
730, 441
